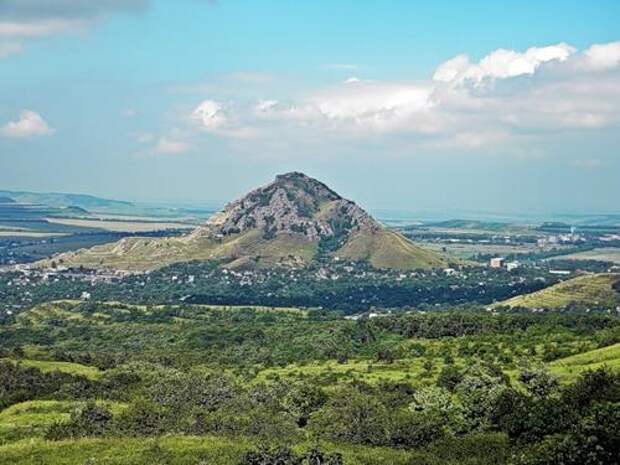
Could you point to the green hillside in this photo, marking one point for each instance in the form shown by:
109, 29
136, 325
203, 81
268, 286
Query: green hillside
389, 249
570, 367
588, 290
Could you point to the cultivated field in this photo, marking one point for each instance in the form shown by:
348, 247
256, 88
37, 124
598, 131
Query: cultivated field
120, 226
607, 254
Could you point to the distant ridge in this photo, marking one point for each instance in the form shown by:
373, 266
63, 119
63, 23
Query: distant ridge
289, 222
61, 200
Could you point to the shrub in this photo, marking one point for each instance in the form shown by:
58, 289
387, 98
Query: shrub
92, 420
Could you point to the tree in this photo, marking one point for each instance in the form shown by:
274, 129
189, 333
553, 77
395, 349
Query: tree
351, 416
301, 400
449, 377
539, 382
91, 420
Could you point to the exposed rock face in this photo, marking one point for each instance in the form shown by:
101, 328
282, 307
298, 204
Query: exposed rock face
294, 203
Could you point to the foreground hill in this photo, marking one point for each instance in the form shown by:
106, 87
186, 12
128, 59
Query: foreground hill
598, 290
291, 221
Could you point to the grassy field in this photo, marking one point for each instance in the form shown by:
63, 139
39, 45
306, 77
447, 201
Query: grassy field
25, 234
120, 226
590, 290
466, 251
607, 254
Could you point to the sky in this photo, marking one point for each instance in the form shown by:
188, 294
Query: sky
407, 105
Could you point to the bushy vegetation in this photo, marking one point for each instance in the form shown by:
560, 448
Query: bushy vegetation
266, 386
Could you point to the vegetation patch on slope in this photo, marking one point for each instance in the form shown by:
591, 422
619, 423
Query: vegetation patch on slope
592, 291
389, 249
569, 367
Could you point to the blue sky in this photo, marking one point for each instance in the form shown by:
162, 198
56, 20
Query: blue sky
493, 106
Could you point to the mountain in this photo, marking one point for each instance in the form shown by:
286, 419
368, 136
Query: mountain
289, 222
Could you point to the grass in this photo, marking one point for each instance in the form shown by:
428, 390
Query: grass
568, 368
590, 290
191, 450
30, 420
141, 254
404, 370
389, 249
76, 369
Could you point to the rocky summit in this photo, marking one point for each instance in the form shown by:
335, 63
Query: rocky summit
290, 222
293, 204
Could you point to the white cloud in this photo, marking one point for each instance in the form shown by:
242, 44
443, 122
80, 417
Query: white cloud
602, 56
375, 105
352, 80
506, 99
451, 69
29, 124
210, 114
264, 106
501, 64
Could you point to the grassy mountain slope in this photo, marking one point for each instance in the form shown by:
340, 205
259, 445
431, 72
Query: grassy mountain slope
589, 290
389, 249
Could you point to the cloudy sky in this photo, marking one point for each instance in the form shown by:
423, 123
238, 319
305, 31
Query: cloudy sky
413, 105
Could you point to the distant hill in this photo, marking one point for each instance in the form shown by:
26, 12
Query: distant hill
292, 221
60, 200
592, 291
5, 200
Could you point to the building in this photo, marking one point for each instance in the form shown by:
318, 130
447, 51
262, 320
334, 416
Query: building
512, 265
497, 262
